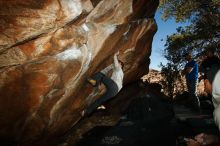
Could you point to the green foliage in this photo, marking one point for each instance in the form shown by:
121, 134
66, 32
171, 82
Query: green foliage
204, 28
172, 81
182, 10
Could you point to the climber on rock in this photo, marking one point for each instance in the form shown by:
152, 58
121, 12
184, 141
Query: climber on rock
112, 84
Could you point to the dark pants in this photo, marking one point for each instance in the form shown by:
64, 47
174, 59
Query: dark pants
111, 91
192, 89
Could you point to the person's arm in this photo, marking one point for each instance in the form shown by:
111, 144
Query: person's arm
192, 142
116, 64
201, 77
207, 139
187, 70
207, 86
107, 69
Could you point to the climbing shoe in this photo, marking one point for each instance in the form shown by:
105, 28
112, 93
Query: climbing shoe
92, 81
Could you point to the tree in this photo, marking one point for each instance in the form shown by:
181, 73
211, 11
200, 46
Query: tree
172, 81
204, 28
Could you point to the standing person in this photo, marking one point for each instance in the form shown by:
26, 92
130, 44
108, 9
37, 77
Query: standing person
212, 86
210, 60
113, 85
191, 73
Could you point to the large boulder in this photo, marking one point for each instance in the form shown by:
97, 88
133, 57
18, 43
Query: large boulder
49, 47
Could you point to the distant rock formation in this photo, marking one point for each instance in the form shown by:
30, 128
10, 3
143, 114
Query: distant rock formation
49, 47
154, 76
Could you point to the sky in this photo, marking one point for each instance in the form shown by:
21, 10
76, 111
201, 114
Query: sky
164, 28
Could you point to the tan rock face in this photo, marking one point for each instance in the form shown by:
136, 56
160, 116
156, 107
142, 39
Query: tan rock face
49, 47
